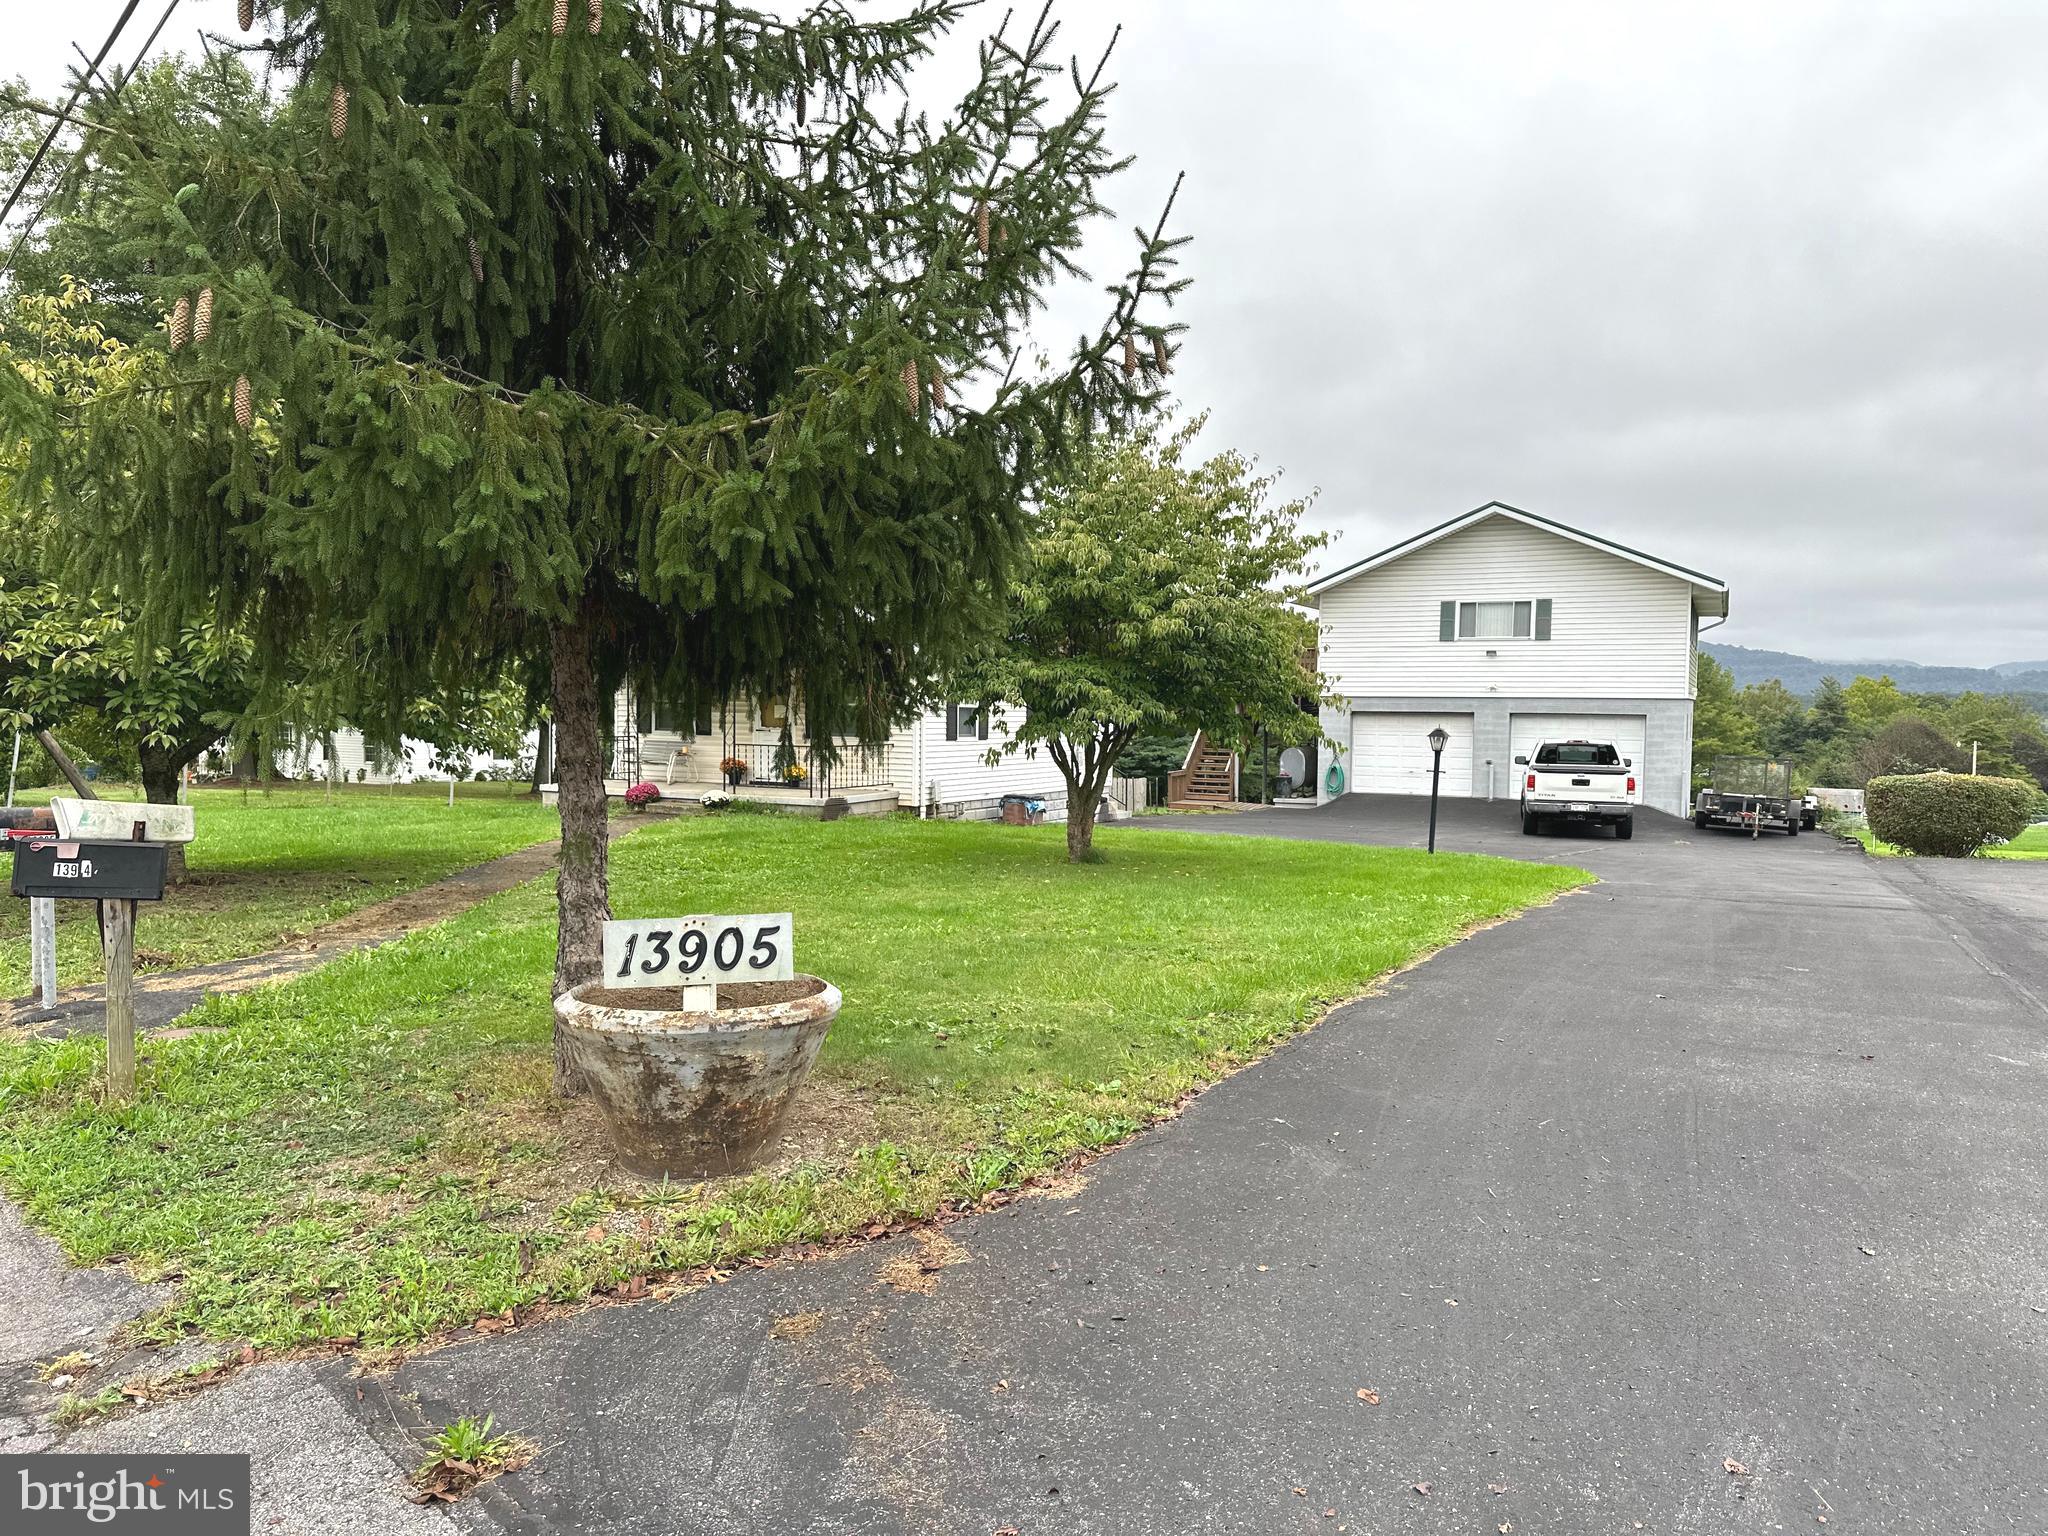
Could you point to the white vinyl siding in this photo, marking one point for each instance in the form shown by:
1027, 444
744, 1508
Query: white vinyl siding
1390, 754
1617, 629
961, 769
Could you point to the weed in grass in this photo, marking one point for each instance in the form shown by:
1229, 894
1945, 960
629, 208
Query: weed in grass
75, 1410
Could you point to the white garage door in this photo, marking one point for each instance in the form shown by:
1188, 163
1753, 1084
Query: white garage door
1625, 731
1390, 754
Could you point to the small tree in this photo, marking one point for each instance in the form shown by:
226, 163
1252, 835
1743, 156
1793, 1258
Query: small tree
1155, 599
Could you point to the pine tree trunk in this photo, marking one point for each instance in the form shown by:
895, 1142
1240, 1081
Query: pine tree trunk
581, 894
160, 771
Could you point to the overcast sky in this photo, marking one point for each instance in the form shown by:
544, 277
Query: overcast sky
1757, 287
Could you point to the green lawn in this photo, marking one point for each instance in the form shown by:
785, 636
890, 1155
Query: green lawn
2030, 844
268, 865
371, 1152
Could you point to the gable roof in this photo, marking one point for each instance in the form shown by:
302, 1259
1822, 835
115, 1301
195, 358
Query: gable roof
1710, 593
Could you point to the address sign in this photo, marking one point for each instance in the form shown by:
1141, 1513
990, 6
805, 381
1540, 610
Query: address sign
698, 951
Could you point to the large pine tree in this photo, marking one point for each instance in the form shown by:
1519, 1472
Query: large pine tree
663, 339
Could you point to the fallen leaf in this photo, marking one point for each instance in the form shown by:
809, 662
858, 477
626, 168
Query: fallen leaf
1367, 1395
1496, 1489
248, 1354
1001, 1386
1301, 1493
1262, 1269
1506, 1526
1733, 1467
594, 1233
1007, 1530
1422, 1488
1868, 1253
1329, 1514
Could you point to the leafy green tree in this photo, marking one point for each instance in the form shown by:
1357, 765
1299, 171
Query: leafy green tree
676, 345
1776, 717
1871, 702
1156, 599
1719, 726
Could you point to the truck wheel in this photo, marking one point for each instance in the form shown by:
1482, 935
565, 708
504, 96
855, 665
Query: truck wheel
1625, 828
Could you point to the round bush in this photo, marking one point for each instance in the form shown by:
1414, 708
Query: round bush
1950, 815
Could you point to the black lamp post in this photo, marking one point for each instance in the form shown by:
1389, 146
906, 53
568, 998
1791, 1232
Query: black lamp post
1438, 740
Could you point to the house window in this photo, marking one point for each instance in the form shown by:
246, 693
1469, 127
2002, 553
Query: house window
1495, 621
966, 722
1510, 619
657, 719
773, 713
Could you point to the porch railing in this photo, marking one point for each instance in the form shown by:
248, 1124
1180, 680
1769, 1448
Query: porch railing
767, 767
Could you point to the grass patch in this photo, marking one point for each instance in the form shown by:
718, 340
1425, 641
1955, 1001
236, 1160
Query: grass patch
267, 865
371, 1153
2030, 844
1857, 830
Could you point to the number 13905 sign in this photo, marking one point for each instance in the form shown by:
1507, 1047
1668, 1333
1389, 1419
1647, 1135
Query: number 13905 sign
696, 951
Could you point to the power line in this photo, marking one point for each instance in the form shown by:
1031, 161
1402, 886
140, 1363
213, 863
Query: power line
114, 93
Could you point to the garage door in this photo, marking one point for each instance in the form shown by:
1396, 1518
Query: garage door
1390, 754
1625, 731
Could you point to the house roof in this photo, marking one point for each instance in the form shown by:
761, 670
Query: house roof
1710, 593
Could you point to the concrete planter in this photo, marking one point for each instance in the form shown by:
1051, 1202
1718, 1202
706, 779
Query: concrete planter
692, 1095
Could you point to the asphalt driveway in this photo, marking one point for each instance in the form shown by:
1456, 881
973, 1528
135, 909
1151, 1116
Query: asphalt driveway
1706, 1200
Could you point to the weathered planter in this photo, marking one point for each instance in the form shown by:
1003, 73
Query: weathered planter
696, 1094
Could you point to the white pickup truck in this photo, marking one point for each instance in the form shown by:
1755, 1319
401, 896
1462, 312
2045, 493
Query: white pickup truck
1588, 781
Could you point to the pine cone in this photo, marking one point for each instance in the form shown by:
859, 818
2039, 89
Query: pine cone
337, 111
245, 13
981, 227
202, 317
515, 89
1160, 357
561, 23
596, 17
910, 384
245, 403
1130, 354
476, 261
181, 322
938, 387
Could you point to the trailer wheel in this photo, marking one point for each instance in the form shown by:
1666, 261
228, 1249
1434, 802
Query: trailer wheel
1792, 827
1699, 819
1625, 828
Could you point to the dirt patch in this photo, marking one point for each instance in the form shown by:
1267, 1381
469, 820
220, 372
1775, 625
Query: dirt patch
918, 1273
731, 995
434, 903
797, 1325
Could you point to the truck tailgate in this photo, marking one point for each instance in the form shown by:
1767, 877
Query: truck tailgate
1579, 786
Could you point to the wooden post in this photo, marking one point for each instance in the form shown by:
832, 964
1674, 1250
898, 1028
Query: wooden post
65, 766
118, 920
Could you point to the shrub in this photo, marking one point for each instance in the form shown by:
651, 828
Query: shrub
1951, 815
640, 796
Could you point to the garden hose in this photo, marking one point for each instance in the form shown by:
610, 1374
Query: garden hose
1333, 781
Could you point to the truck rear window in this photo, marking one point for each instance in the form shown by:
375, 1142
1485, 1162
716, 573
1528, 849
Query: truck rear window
1577, 754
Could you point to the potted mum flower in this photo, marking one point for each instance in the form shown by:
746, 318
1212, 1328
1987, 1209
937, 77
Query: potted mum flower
642, 795
734, 769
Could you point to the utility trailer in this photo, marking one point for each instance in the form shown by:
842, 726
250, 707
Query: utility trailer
1750, 794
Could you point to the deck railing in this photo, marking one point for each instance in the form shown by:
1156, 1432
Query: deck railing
767, 765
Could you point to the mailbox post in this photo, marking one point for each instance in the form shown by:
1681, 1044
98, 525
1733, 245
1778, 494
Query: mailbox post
82, 860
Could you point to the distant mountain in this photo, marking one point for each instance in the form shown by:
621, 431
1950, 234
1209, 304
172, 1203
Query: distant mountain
1802, 674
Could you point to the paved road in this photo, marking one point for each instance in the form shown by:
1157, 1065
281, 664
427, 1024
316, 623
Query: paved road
1738, 1154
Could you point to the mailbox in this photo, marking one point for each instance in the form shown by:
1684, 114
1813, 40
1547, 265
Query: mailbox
82, 871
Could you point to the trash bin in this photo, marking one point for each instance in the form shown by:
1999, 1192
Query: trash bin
1022, 811
1283, 787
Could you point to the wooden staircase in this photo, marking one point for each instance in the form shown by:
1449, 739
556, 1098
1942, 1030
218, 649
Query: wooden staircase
1208, 777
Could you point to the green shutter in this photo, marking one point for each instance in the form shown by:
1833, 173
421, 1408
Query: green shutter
1542, 618
644, 716
1447, 622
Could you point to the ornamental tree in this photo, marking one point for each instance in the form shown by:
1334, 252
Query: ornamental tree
1156, 598
663, 339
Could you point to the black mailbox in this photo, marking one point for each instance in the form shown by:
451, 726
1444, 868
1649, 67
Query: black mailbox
90, 871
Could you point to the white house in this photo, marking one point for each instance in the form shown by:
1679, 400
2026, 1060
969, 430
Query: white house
937, 762
1505, 628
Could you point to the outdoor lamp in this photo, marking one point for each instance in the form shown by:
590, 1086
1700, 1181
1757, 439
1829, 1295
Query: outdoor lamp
1439, 738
